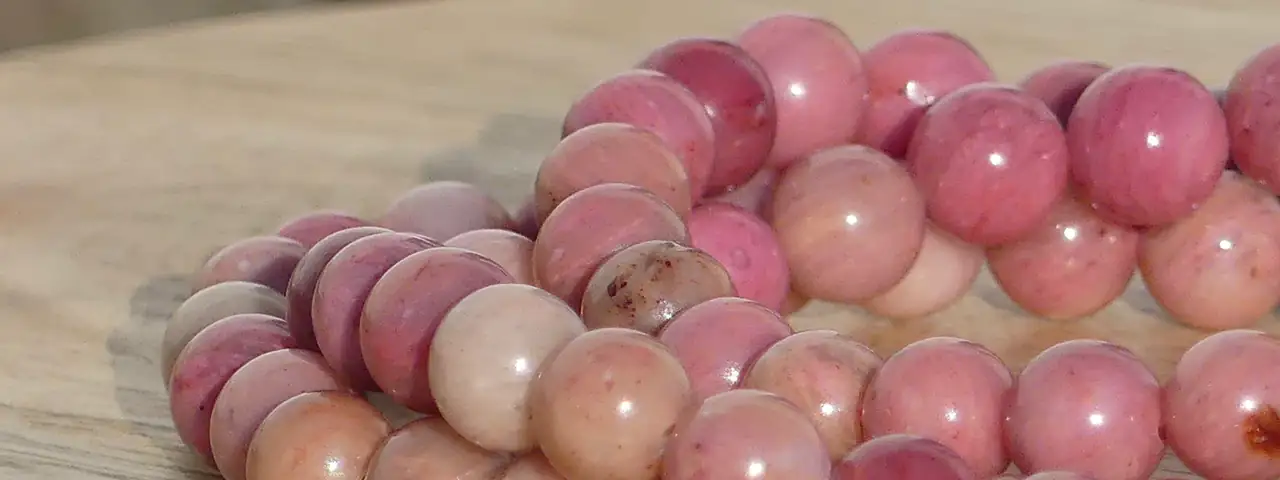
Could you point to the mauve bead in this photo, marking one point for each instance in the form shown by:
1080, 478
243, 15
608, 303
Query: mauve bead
611, 153
1098, 402
660, 104
755, 196
1072, 265
990, 161
302, 285
1147, 144
823, 373
1253, 119
907, 72
748, 435
902, 457
941, 275
946, 389
312, 227
444, 209
1060, 84
717, 340
1059, 475
590, 226
525, 219
850, 222
1220, 414
819, 83
265, 260
737, 96
210, 305
510, 250
1219, 267
746, 247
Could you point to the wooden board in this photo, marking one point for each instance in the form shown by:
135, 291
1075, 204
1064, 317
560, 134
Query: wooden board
126, 161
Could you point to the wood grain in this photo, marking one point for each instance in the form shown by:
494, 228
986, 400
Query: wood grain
127, 161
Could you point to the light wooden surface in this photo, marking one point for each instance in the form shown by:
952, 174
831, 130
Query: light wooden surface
126, 161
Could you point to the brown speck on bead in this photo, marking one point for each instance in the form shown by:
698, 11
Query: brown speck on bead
1262, 431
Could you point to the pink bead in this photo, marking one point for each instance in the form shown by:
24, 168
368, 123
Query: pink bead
510, 250
404, 310
1253, 120
1147, 144
946, 389
302, 285
736, 95
941, 275
1099, 404
747, 248
823, 373
1060, 84
265, 260
990, 161
1220, 406
755, 196
1219, 267
1058, 476
902, 457
590, 226
748, 435
444, 209
907, 72
850, 222
818, 80
660, 104
526, 221
1072, 265
312, 227
716, 340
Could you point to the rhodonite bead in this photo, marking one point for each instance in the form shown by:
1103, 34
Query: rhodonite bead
940, 276
589, 226
265, 260
825, 374
946, 389
1219, 267
1059, 475
403, 313
1072, 265
327, 435
749, 435
644, 286
902, 457
510, 250
605, 405
444, 209
525, 218
1147, 144
486, 353
310, 228
1252, 118
717, 339
531, 466
907, 72
1060, 84
428, 448
302, 285
990, 161
755, 196
747, 247
210, 305
611, 153
819, 83
1100, 404
737, 96
1220, 406
660, 104
850, 222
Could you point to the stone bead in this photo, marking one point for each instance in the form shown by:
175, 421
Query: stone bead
1252, 119
510, 250
1060, 84
265, 260
444, 209
747, 247
902, 457
941, 275
312, 227
317, 436
718, 339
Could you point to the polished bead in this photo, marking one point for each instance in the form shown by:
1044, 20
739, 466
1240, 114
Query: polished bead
747, 247
1098, 402
265, 260
819, 83
429, 449
1253, 120
902, 457
737, 96
1147, 144
310, 228
716, 340
990, 161
210, 305
850, 222
444, 209
510, 250
302, 284
940, 276
1060, 84
647, 284
317, 436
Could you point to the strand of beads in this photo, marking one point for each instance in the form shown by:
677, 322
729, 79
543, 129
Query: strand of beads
634, 328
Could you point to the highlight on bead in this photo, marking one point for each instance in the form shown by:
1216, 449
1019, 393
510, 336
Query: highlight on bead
632, 317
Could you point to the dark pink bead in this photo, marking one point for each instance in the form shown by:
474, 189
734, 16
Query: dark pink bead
312, 227
1147, 144
819, 84
1060, 84
1220, 406
1253, 117
747, 248
660, 104
991, 162
737, 96
907, 72
717, 340
902, 457
1086, 406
